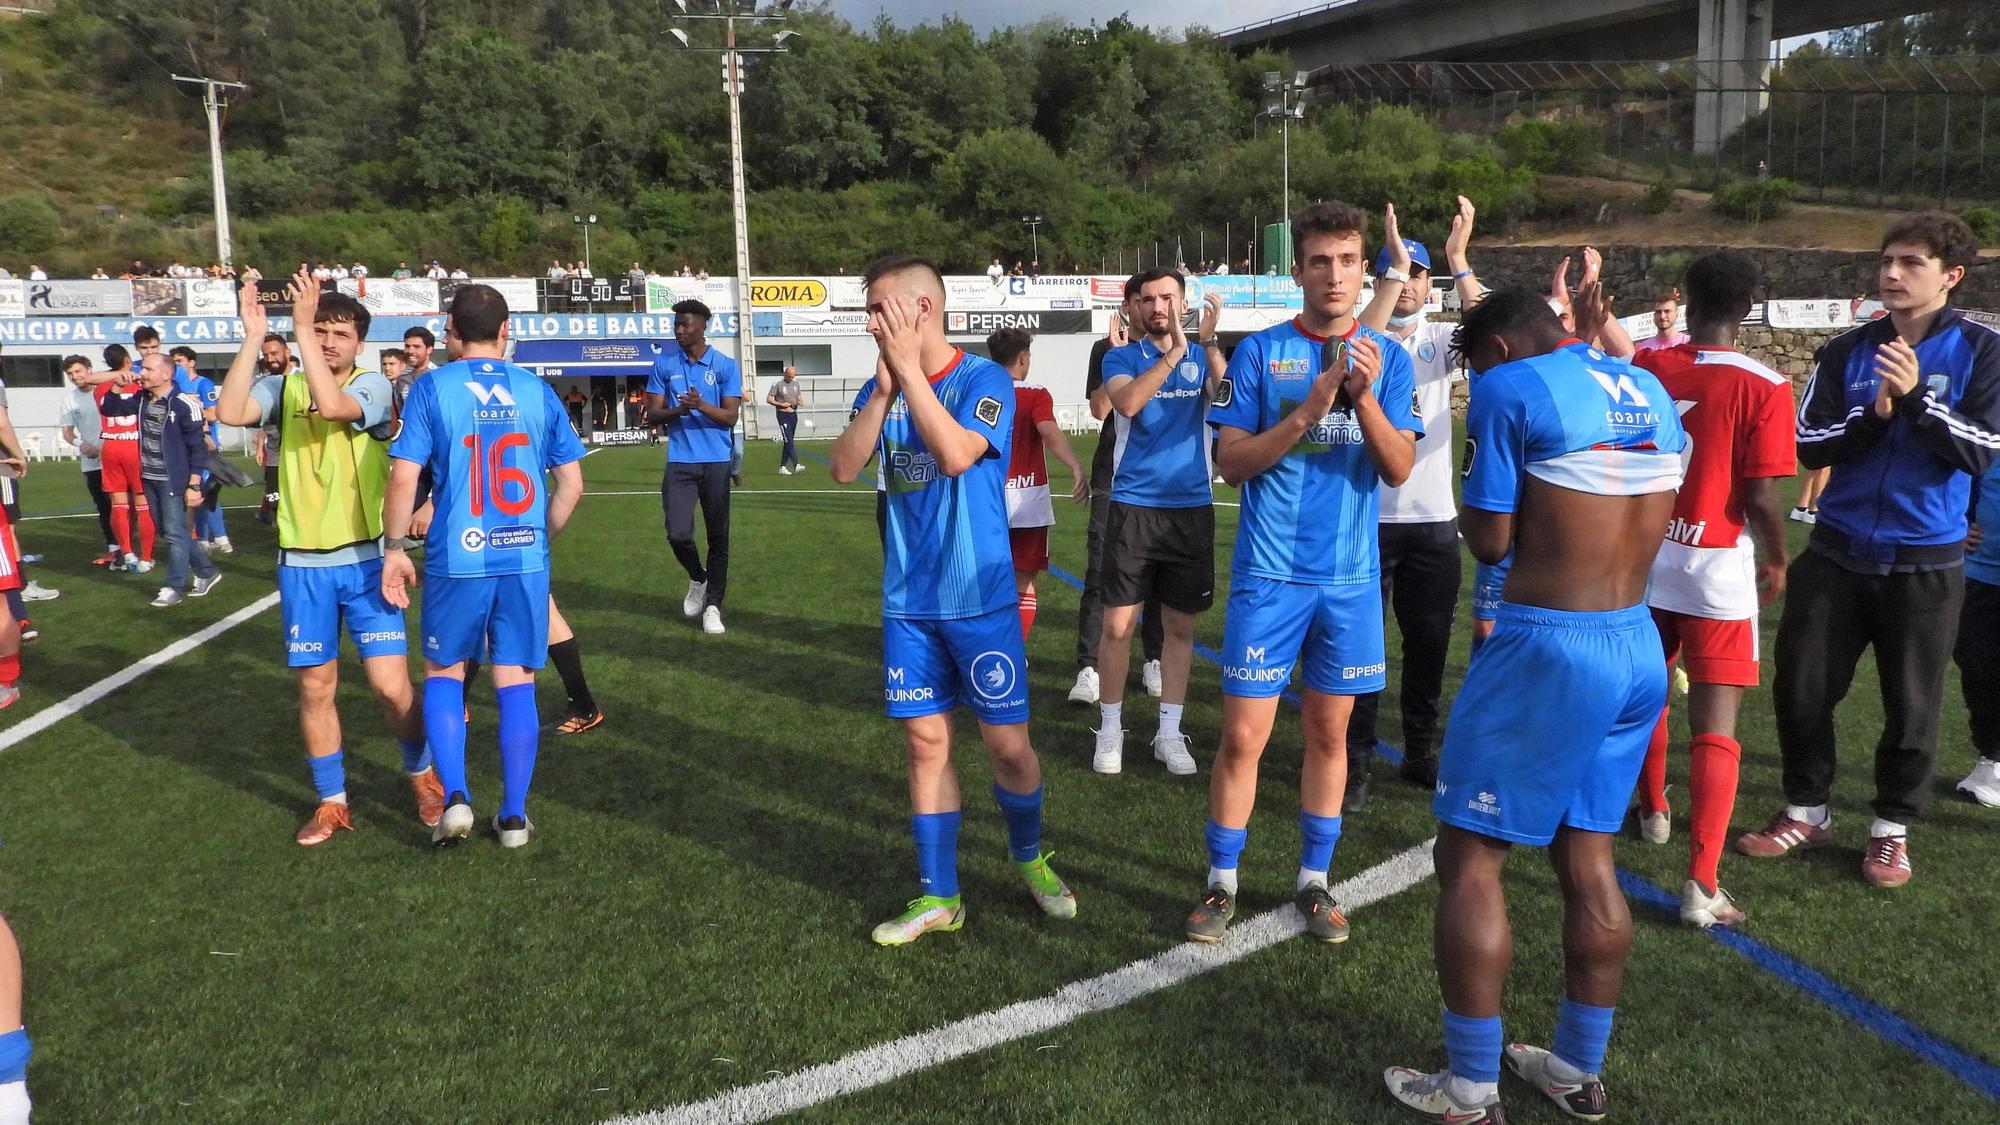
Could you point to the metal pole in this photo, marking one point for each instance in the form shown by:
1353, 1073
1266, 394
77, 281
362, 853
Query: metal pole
587, 268
746, 340
1286, 129
1944, 155
211, 101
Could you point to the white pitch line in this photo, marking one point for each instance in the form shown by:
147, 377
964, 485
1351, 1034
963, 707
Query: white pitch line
887, 1062
50, 716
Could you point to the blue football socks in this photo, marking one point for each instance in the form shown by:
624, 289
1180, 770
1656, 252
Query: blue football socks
330, 776
1582, 1033
936, 835
444, 730
1023, 813
520, 738
14, 1052
416, 755
1472, 1044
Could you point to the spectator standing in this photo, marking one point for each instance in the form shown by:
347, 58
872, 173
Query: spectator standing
173, 445
784, 398
1906, 409
81, 427
698, 393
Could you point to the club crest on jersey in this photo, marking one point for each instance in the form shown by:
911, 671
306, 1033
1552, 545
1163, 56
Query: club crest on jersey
1939, 384
1427, 351
1190, 373
987, 411
993, 675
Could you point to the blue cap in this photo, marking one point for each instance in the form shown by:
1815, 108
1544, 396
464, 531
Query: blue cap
1418, 256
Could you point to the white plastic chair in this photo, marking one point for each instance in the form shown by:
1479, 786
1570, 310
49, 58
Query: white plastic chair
32, 445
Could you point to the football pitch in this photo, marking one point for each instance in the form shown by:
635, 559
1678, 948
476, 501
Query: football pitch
692, 918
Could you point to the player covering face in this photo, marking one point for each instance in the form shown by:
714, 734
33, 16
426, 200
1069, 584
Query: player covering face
941, 422
1572, 462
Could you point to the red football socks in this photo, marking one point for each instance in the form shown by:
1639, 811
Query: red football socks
1712, 790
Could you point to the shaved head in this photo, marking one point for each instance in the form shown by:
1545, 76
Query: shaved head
909, 275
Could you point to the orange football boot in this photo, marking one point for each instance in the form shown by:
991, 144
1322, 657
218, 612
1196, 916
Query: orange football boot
430, 796
328, 818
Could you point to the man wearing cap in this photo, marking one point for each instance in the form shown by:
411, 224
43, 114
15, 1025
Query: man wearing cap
1419, 527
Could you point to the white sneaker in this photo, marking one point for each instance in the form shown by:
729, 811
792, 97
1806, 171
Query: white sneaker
797, 469
203, 585
1173, 750
36, 592
144, 566
1150, 676
783, 471
697, 596
166, 598
220, 545
1982, 784
1085, 690
513, 837
1655, 827
454, 826
711, 621
1680, 681
131, 564
1700, 910
15, 1105
1109, 757
1799, 515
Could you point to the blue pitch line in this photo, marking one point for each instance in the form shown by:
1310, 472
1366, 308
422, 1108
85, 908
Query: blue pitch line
1961, 1064
829, 467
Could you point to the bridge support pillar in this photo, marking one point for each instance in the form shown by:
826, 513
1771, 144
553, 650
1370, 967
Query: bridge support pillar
1732, 59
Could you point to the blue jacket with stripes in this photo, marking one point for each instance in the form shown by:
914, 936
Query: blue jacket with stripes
1900, 486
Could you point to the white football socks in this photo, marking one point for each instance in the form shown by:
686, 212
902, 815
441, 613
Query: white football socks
1307, 876
1883, 827
1170, 719
1110, 717
1815, 815
1224, 877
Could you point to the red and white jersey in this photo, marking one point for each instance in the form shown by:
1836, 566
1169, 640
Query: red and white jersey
10, 555
1028, 503
1738, 415
119, 404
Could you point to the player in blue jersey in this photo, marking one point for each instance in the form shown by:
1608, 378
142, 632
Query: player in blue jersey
488, 431
697, 392
1572, 462
1316, 415
942, 421
1159, 534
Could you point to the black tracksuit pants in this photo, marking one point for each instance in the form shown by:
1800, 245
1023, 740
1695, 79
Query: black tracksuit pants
707, 485
1420, 580
1831, 615
1978, 656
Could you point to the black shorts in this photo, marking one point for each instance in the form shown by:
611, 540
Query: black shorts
1164, 553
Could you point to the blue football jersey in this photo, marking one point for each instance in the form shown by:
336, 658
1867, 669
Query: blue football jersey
1576, 418
489, 432
946, 554
1311, 516
693, 439
1159, 456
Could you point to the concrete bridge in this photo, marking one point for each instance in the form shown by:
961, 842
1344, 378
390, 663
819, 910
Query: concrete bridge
1731, 39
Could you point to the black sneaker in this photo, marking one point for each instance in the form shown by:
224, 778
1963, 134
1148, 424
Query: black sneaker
1324, 921
1582, 1100
1420, 769
1210, 920
1359, 788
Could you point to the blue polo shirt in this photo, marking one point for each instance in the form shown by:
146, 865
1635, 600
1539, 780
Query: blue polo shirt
693, 439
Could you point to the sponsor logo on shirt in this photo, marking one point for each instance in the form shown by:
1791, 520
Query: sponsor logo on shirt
379, 636
512, 538
1292, 368
1685, 533
913, 466
1364, 671
1485, 803
1337, 428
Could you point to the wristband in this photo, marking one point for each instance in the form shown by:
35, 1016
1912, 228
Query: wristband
1461, 275
1400, 277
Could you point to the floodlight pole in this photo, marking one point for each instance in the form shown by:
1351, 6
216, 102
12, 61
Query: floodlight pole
732, 86
213, 102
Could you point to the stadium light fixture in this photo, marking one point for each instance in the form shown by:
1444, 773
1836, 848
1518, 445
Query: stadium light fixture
1286, 101
679, 35
779, 39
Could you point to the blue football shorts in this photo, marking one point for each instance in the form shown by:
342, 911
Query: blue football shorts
929, 667
1332, 632
1551, 725
501, 619
314, 601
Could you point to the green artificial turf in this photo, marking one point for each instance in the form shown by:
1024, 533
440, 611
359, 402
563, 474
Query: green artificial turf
694, 911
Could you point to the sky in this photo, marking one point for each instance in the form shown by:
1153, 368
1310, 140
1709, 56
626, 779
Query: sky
990, 14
